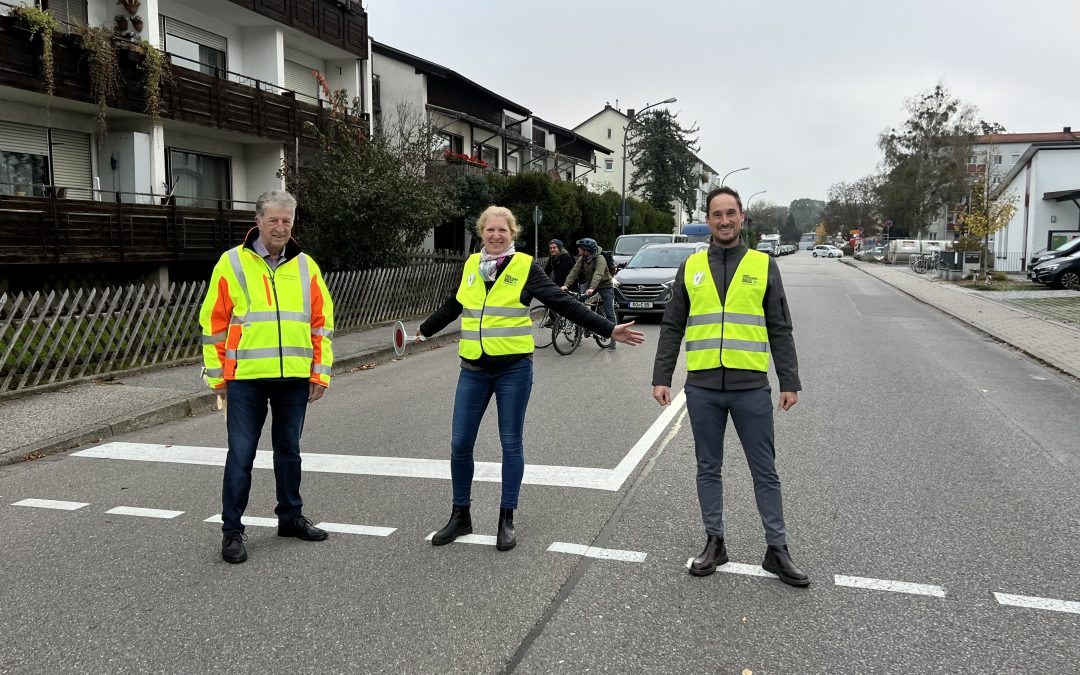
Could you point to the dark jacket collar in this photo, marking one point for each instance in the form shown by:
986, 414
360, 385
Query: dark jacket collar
292, 248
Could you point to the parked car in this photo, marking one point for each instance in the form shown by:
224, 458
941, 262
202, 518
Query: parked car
627, 245
875, 253
827, 251
1065, 249
1063, 272
644, 285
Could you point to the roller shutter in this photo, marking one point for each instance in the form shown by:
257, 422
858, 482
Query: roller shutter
24, 138
195, 34
300, 79
71, 163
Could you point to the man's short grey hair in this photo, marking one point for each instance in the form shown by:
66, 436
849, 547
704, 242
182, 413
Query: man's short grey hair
274, 198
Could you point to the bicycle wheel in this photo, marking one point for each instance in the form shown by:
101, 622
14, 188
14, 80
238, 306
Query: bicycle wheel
601, 342
541, 326
920, 266
565, 336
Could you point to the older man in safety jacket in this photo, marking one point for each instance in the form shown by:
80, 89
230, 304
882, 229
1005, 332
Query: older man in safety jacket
267, 324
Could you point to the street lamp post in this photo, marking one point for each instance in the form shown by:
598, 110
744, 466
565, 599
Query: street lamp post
622, 203
745, 168
747, 207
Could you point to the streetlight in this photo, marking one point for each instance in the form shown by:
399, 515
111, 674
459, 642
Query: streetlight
626, 132
745, 168
747, 208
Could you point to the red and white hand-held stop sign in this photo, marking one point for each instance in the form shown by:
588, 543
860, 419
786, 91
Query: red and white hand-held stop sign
402, 338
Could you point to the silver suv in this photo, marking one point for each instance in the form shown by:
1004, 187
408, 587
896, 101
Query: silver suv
644, 285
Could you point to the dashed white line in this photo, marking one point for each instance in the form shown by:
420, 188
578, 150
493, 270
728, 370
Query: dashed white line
739, 568
51, 504
144, 513
594, 552
1032, 602
246, 520
346, 528
888, 585
483, 539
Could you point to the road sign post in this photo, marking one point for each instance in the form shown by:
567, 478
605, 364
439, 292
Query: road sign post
538, 216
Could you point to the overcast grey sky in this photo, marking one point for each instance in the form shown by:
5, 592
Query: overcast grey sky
797, 90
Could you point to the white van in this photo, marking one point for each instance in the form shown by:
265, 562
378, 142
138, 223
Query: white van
627, 245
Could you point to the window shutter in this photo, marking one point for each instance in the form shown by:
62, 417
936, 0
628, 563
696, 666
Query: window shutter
24, 138
70, 11
298, 78
71, 163
193, 33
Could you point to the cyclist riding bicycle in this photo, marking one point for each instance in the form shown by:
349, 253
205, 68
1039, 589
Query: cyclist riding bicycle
592, 270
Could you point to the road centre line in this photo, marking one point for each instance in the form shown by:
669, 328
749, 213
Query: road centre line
144, 513
254, 521
887, 585
348, 528
594, 552
51, 504
1033, 602
483, 539
739, 568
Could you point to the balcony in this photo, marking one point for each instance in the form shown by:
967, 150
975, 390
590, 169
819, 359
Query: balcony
225, 100
51, 229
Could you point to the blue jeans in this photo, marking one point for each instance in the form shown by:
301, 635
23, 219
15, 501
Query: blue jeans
607, 296
512, 387
247, 401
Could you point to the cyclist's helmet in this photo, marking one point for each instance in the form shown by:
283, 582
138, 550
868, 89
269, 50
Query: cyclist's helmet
588, 244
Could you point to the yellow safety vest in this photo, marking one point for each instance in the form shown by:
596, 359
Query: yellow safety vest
731, 334
259, 323
494, 322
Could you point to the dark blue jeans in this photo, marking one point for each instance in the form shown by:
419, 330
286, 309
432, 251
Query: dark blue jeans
607, 296
511, 386
246, 413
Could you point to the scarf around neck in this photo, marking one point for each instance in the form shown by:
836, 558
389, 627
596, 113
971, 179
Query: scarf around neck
489, 264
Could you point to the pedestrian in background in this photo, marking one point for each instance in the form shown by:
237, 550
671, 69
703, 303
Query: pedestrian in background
497, 287
267, 324
729, 303
560, 263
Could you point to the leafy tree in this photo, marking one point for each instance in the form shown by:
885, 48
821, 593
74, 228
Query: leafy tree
807, 213
790, 232
767, 217
822, 232
984, 215
853, 205
366, 200
663, 152
926, 159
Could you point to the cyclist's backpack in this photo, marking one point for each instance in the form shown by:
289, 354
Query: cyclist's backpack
610, 263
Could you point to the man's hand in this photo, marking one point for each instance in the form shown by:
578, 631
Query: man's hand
562, 287
223, 391
589, 292
788, 399
315, 392
626, 335
662, 394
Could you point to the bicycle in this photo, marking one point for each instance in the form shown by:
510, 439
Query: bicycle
542, 322
928, 263
566, 335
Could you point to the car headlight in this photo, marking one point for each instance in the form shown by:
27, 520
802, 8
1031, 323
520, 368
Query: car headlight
1044, 258
668, 284
1051, 266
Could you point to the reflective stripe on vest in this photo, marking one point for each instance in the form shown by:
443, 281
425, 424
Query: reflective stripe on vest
731, 333
494, 322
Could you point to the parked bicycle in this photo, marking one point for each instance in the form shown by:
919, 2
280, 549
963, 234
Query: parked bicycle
567, 335
927, 262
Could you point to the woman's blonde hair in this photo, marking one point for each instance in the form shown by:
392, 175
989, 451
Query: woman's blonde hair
497, 211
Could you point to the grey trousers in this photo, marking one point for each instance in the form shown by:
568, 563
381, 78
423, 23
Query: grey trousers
751, 411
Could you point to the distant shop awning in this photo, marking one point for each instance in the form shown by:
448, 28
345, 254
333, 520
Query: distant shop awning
1062, 195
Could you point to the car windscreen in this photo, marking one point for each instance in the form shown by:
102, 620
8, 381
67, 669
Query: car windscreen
630, 244
659, 257
1068, 245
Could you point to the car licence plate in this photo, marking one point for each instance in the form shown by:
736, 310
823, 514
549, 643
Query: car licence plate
639, 305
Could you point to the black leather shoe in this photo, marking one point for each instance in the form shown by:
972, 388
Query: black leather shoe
459, 525
232, 548
302, 528
507, 538
778, 561
712, 556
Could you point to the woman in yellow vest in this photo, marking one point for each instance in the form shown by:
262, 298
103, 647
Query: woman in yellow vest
497, 287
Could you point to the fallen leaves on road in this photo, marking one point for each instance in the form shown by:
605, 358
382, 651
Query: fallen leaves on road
366, 366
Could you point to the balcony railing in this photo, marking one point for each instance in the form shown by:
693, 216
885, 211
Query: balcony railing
121, 227
223, 100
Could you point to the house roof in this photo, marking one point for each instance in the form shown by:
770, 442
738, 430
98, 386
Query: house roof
1041, 137
573, 136
1062, 195
434, 69
1025, 159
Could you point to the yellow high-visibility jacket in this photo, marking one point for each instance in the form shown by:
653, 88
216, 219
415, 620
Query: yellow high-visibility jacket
494, 322
259, 323
731, 333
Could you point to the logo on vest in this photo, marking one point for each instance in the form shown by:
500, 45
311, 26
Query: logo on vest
698, 276
510, 279
750, 280
471, 280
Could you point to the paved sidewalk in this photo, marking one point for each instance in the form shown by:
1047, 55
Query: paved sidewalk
1052, 341
72, 415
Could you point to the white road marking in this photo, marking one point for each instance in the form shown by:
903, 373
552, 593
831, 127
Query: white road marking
145, 513
1038, 603
887, 585
51, 504
739, 568
246, 520
594, 552
484, 539
347, 528
620, 473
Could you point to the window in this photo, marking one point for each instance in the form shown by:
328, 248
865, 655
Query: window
451, 143
997, 159
376, 103
67, 11
540, 137
609, 132
512, 164
24, 159
198, 179
609, 165
194, 47
1014, 158
489, 154
301, 80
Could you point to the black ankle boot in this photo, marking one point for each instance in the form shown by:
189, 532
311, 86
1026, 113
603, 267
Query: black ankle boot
713, 555
507, 538
778, 561
459, 525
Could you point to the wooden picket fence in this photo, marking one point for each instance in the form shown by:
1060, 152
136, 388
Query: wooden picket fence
62, 336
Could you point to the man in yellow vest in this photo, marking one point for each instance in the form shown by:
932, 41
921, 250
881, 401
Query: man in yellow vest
729, 304
267, 324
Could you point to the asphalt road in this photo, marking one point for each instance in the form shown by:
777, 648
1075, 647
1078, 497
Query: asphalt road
920, 453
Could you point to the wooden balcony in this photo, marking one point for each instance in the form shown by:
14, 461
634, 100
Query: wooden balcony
38, 230
224, 100
338, 22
